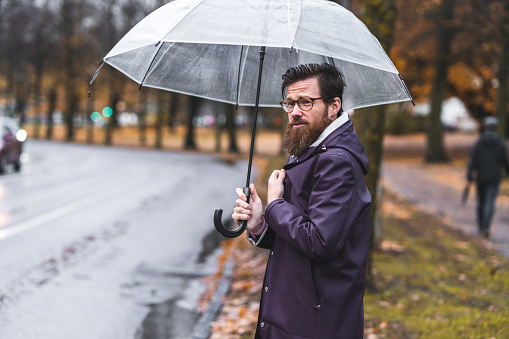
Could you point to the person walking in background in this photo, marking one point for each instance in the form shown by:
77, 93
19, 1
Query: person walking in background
317, 219
487, 159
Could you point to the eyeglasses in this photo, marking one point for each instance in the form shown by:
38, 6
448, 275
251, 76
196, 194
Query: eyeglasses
305, 104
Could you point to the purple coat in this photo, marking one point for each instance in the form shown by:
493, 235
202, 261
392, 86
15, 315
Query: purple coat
318, 236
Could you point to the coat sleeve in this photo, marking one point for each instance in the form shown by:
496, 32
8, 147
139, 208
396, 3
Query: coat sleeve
263, 240
320, 234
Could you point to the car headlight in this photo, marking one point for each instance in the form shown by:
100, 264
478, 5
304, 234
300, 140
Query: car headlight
21, 135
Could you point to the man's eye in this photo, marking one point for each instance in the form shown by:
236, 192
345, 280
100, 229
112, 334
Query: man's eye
306, 102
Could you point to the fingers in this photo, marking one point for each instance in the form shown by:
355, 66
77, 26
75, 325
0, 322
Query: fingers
242, 210
274, 175
282, 175
240, 193
277, 175
254, 194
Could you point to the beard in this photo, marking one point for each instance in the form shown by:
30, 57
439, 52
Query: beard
297, 140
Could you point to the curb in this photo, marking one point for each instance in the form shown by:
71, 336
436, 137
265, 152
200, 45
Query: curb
202, 328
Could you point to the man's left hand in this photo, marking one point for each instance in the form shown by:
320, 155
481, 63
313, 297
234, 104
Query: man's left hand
276, 187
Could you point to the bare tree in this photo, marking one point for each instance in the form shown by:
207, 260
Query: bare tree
435, 151
380, 17
230, 127
161, 108
193, 107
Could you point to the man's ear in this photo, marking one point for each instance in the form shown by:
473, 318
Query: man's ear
334, 108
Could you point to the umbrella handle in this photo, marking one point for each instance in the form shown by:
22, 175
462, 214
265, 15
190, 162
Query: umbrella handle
218, 224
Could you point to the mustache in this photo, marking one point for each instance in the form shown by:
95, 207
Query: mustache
298, 121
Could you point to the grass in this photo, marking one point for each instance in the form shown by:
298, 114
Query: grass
443, 285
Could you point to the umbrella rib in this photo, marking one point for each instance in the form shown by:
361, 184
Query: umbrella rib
151, 63
239, 77
101, 64
406, 89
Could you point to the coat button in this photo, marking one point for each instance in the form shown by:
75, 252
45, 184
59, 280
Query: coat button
318, 306
272, 253
262, 324
266, 289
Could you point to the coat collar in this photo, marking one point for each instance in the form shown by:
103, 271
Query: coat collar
331, 128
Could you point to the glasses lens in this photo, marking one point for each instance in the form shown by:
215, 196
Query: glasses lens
287, 106
305, 104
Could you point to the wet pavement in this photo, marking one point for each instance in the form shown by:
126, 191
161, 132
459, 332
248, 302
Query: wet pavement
100, 242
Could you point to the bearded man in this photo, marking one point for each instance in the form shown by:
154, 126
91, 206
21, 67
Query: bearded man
317, 220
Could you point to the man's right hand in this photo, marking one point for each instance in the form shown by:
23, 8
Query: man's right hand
252, 212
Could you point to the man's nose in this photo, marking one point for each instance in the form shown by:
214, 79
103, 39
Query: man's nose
296, 113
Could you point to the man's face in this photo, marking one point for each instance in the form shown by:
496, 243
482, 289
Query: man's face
304, 127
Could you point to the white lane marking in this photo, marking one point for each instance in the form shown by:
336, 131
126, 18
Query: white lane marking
78, 204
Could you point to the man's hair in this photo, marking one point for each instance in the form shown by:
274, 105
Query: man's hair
331, 81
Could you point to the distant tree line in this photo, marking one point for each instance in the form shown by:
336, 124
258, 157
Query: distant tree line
49, 51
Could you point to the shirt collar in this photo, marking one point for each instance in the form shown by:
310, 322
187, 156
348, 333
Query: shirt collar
331, 128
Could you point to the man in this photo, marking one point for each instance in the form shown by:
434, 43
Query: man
487, 159
317, 218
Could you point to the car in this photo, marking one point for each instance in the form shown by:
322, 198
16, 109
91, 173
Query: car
11, 143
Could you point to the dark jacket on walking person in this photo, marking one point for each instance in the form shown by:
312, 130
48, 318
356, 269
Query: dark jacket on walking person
488, 160
318, 236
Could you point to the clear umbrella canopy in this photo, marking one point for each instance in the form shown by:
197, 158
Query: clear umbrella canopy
210, 49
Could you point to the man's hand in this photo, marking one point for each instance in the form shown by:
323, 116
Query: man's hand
276, 187
252, 212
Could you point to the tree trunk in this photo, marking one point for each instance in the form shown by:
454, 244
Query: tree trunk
37, 102
380, 17
90, 122
230, 127
503, 73
435, 151
51, 108
159, 119
194, 106
369, 124
173, 111
142, 115
20, 105
217, 125
110, 126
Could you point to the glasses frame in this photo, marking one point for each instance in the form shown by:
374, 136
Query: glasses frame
297, 102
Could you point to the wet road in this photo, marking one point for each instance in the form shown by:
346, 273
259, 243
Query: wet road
91, 236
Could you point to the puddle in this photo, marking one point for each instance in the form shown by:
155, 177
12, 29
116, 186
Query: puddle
175, 317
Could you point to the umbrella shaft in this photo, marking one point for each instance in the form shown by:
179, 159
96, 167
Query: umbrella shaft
255, 118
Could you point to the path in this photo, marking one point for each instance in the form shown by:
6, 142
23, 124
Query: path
438, 189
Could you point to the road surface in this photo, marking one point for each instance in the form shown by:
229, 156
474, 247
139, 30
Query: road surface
93, 239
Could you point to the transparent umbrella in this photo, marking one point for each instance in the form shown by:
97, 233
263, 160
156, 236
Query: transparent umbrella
217, 49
